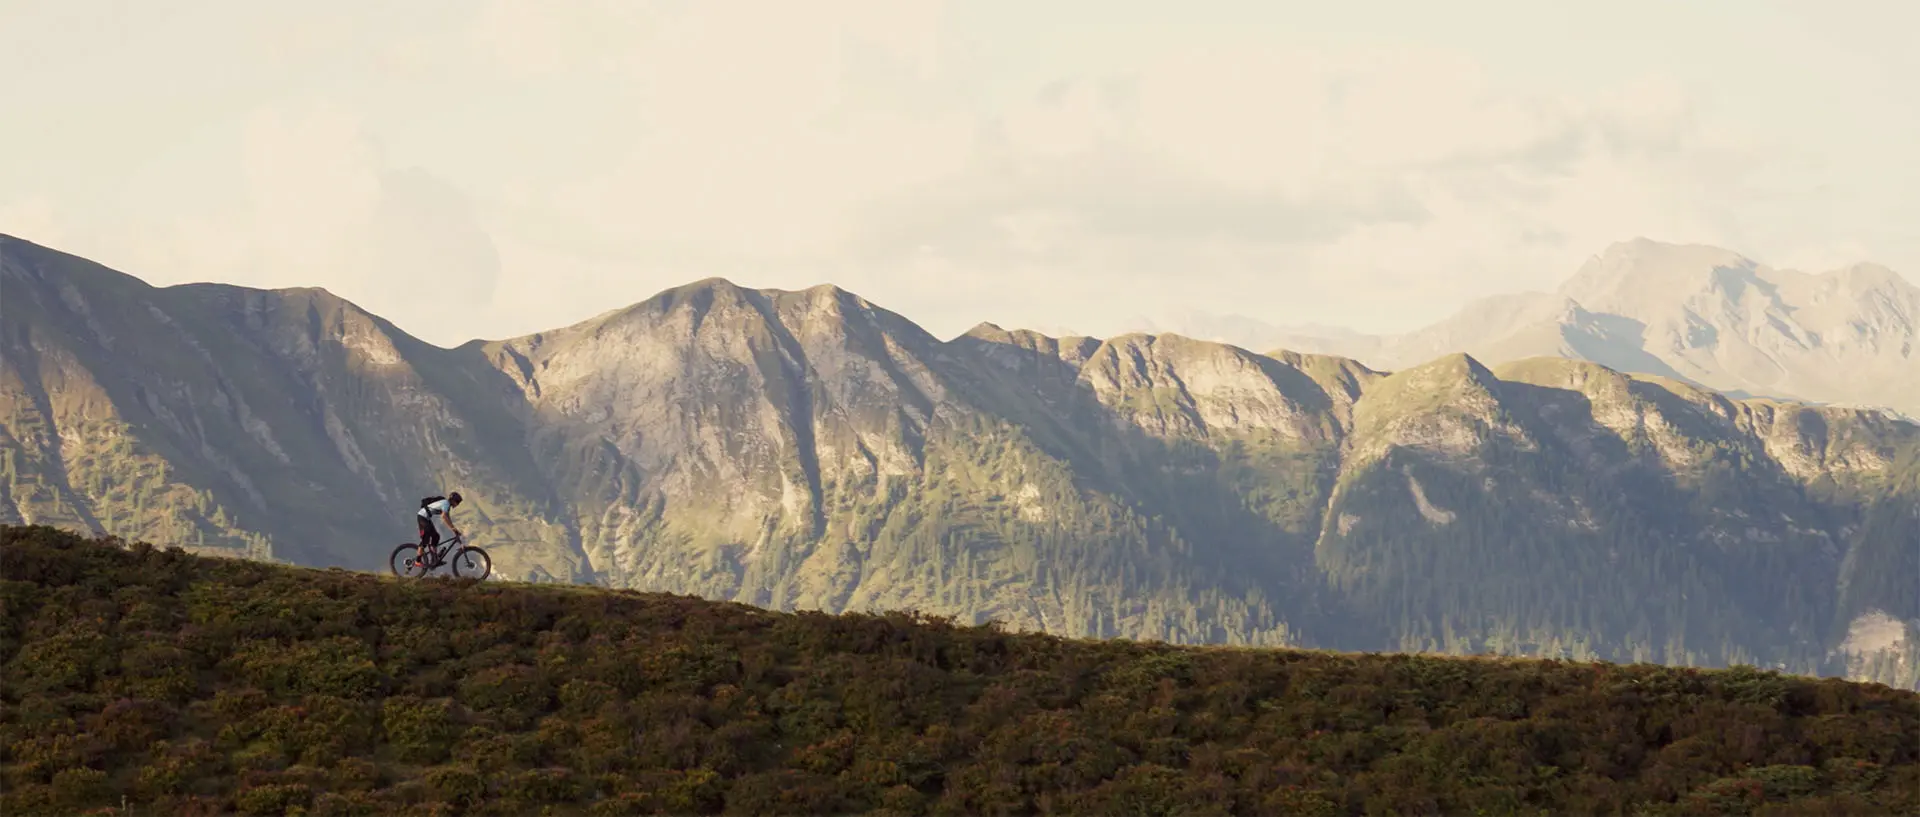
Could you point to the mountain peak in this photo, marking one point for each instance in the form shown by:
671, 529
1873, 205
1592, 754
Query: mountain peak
1644, 249
710, 287
1865, 276
1460, 365
1453, 373
1629, 276
988, 331
19, 256
827, 290
716, 290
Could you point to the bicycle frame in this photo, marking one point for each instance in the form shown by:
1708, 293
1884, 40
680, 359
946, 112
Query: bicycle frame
431, 558
444, 549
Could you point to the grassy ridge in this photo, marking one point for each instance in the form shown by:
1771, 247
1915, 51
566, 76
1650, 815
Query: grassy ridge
191, 685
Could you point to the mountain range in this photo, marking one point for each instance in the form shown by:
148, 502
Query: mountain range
1703, 315
810, 449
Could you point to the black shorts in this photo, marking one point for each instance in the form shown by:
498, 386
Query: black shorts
429, 535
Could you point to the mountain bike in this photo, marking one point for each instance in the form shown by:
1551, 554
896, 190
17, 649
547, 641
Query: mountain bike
468, 561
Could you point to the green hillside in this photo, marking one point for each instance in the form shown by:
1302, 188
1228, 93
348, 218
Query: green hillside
181, 684
811, 450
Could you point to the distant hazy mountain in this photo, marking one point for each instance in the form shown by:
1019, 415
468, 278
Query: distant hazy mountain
813, 450
1700, 314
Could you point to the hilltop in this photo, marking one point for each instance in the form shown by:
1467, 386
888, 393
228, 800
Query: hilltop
196, 685
813, 450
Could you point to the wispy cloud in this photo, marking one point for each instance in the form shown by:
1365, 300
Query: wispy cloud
534, 163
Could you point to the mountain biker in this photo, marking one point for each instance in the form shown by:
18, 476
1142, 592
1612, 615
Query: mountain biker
441, 506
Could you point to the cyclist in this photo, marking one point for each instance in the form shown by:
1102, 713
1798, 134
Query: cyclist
441, 506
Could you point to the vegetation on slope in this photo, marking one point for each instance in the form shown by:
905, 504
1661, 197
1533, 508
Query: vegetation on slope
1558, 508
797, 450
192, 685
286, 424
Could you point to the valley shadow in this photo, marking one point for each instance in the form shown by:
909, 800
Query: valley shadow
1186, 488
1567, 415
1726, 487
1628, 353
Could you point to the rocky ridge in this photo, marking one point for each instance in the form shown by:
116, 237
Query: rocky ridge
813, 450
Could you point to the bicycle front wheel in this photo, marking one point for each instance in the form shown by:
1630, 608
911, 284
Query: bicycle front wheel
472, 563
404, 562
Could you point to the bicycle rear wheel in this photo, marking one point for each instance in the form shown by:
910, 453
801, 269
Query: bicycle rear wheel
403, 562
472, 563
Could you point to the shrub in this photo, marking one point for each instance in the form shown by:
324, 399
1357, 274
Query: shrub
420, 731
80, 788
459, 785
254, 688
272, 798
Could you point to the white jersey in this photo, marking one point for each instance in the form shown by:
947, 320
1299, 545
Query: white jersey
434, 509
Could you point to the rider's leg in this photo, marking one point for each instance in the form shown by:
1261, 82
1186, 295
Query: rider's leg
429, 538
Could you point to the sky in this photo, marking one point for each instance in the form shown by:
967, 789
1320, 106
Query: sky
491, 168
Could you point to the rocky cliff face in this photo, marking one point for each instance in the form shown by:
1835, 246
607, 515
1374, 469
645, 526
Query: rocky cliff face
1672, 520
235, 419
810, 449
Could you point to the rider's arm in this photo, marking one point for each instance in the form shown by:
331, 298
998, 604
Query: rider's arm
449, 517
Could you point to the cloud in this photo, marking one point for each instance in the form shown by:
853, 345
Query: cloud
536, 38
313, 184
888, 146
32, 218
1361, 184
322, 206
1365, 186
426, 236
758, 128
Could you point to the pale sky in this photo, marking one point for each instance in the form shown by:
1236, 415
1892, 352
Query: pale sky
496, 167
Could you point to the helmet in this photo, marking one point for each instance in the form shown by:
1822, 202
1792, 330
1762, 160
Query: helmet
454, 497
